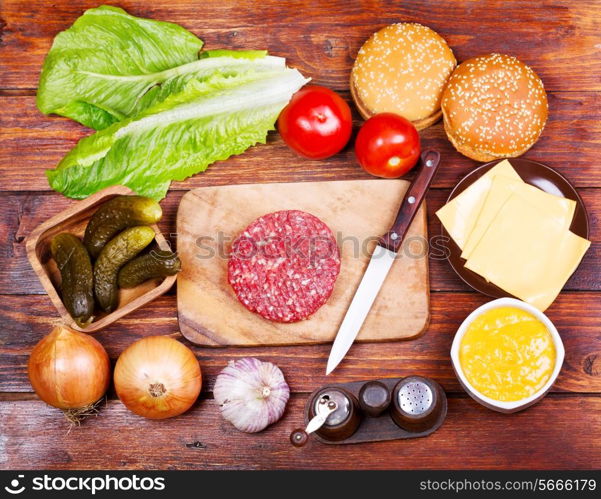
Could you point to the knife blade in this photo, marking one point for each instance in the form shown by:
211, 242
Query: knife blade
379, 264
381, 260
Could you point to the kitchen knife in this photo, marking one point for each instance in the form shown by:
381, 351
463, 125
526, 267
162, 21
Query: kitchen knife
382, 259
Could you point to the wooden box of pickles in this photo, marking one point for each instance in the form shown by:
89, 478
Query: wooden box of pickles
103, 258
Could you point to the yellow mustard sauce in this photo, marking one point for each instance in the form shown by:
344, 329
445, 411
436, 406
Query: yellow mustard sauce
507, 354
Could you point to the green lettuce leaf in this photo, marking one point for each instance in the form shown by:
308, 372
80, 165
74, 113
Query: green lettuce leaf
179, 136
110, 66
227, 63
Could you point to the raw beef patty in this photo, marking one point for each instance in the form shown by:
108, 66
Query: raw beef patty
284, 265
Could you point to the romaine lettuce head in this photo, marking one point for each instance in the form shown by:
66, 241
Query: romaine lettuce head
179, 136
110, 66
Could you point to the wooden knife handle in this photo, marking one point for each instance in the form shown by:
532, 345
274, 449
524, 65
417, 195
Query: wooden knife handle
429, 162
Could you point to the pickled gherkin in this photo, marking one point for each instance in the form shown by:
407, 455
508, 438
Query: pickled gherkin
116, 253
156, 263
118, 214
77, 279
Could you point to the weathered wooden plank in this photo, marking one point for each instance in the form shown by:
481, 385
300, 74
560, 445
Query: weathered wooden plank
35, 436
33, 143
26, 319
22, 212
559, 40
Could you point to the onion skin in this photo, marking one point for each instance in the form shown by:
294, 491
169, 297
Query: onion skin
158, 377
69, 369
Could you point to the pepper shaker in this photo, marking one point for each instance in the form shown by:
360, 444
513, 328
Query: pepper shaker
333, 415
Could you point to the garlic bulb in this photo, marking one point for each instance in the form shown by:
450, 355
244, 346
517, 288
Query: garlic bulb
251, 394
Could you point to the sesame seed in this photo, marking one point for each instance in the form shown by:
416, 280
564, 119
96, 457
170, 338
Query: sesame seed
496, 104
403, 68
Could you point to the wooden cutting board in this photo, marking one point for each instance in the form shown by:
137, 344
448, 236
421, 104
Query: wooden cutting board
357, 211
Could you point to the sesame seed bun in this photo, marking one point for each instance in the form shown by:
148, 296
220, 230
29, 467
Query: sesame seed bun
494, 106
402, 69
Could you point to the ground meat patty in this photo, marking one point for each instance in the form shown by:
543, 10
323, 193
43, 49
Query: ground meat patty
284, 265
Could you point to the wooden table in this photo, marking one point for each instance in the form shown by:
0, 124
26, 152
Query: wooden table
560, 40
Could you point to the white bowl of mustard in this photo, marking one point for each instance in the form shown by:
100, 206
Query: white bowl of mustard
507, 354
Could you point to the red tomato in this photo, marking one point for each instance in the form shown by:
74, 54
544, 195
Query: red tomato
387, 145
316, 123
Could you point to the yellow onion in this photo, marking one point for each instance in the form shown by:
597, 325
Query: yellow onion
158, 377
69, 370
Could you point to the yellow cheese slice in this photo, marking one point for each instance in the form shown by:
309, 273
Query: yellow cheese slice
459, 216
527, 253
501, 189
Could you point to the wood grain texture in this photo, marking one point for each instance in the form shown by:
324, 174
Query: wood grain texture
209, 219
33, 143
577, 316
35, 436
324, 40
22, 212
559, 39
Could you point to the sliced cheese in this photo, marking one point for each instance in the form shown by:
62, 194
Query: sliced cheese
459, 216
501, 190
527, 253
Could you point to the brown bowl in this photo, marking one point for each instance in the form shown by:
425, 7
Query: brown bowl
75, 220
533, 173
